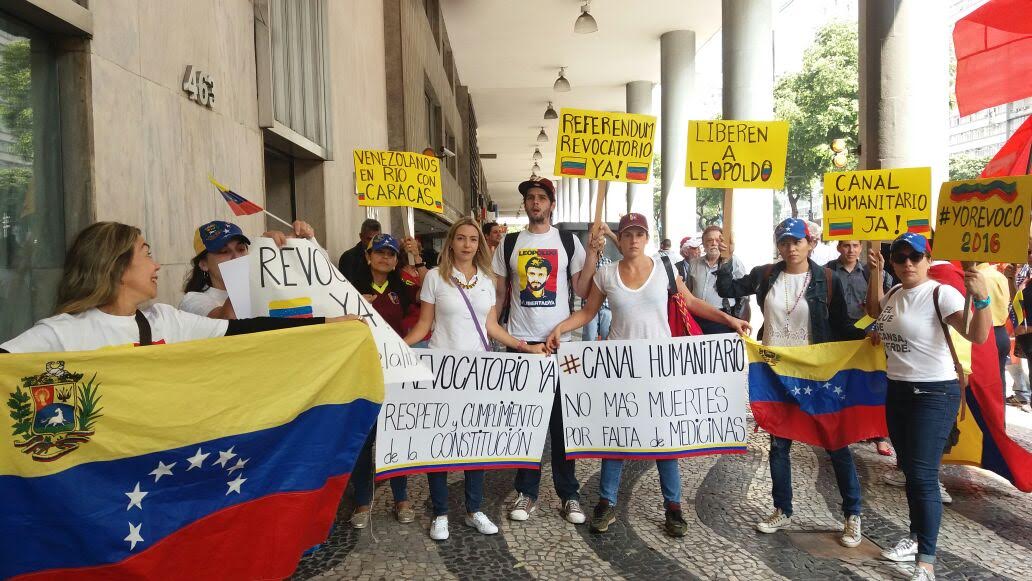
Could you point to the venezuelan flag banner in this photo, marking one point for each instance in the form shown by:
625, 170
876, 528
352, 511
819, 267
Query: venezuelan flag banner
217, 459
828, 395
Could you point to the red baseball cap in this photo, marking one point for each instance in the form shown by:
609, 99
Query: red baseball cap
633, 220
543, 183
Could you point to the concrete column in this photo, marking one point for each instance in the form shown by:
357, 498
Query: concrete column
639, 196
584, 199
677, 83
592, 192
748, 67
904, 63
564, 199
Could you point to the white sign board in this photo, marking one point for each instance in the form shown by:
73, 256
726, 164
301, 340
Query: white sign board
482, 411
299, 280
654, 399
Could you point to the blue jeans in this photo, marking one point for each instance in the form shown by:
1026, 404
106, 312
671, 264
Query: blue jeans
669, 480
599, 325
920, 416
472, 480
362, 476
564, 473
781, 477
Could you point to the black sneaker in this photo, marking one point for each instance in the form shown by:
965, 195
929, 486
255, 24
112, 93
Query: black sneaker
605, 515
675, 525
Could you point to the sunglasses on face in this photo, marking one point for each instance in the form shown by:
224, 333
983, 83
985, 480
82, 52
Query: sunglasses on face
902, 257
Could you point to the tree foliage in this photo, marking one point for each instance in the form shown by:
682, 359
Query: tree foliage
966, 167
821, 103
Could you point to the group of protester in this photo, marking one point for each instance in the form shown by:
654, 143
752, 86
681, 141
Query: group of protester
516, 289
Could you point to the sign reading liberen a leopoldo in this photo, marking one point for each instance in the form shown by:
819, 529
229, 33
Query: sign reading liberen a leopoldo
983, 220
877, 204
607, 146
398, 178
736, 154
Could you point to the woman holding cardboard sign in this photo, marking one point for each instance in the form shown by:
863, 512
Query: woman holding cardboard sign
455, 304
637, 289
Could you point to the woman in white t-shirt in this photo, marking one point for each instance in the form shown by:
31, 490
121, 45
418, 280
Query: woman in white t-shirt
636, 288
109, 273
459, 307
215, 243
924, 392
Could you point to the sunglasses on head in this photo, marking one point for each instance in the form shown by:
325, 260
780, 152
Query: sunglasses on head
901, 257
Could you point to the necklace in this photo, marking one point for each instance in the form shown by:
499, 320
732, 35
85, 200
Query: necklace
472, 283
802, 291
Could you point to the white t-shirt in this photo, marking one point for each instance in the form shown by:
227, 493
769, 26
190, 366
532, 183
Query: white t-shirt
453, 325
915, 348
94, 329
639, 313
205, 302
539, 291
785, 325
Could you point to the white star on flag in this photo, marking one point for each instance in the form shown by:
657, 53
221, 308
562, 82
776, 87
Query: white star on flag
795, 391
225, 457
807, 391
134, 535
136, 497
234, 485
838, 389
827, 385
239, 465
197, 460
162, 470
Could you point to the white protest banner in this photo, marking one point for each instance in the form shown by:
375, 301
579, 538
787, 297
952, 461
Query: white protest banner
482, 411
654, 399
299, 280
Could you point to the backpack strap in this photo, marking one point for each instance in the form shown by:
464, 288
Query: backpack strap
567, 239
508, 247
671, 279
829, 282
143, 324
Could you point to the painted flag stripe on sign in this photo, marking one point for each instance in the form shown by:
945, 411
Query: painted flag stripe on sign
637, 172
918, 226
576, 166
841, 228
291, 308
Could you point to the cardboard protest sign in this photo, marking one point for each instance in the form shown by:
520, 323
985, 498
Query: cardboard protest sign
605, 146
482, 411
398, 178
667, 398
299, 280
877, 204
983, 220
736, 154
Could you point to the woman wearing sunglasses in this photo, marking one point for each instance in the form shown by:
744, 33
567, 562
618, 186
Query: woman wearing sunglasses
924, 391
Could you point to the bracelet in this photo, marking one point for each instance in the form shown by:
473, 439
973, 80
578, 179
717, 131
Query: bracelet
521, 345
979, 305
420, 265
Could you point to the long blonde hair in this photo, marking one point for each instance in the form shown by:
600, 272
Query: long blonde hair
481, 260
94, 266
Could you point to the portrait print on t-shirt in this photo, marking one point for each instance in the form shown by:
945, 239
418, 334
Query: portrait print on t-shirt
537, 269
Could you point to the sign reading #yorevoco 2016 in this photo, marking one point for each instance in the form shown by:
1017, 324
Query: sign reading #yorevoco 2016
662, 398
482, 411
983, 220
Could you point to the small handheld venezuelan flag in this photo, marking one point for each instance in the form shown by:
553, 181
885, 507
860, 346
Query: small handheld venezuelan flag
240, 205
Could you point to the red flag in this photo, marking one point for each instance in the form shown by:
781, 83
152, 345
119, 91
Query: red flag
1015, 157
994, 55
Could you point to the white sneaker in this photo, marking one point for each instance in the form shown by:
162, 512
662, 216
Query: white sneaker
851, 535
904, 551
479, 521
439, 528
522, 508
922, 574
777, 520
946, 498
895, 477
572, 512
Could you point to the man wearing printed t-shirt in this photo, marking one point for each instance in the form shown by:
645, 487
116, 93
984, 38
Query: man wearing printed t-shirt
539, 299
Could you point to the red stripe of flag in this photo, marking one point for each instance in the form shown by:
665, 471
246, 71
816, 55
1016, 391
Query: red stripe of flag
829, 431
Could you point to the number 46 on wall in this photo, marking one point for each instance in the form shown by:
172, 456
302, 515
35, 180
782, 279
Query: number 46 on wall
199, 86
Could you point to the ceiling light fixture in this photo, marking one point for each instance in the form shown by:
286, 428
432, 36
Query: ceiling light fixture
542, 136
537, 154
561, 84
585, 22
536, 168
550, 112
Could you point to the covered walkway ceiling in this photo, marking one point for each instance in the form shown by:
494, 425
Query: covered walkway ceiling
509, 52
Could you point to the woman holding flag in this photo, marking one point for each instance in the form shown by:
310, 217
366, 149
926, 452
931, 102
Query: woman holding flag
924, 389
637, 290
109, 274
802, 304
458, 298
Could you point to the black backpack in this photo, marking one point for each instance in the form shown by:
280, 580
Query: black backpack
509, 246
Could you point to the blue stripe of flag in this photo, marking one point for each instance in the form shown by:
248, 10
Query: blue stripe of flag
860, 388
290, 312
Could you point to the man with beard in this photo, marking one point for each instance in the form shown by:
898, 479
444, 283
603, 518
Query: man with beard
533, 320
702, 281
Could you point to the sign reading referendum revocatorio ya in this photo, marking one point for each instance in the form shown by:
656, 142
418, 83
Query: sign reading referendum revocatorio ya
736, 154
984, 220
600, 145
398, 178
877, 204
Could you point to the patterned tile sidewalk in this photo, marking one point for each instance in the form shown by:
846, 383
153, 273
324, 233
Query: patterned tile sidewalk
986, 533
